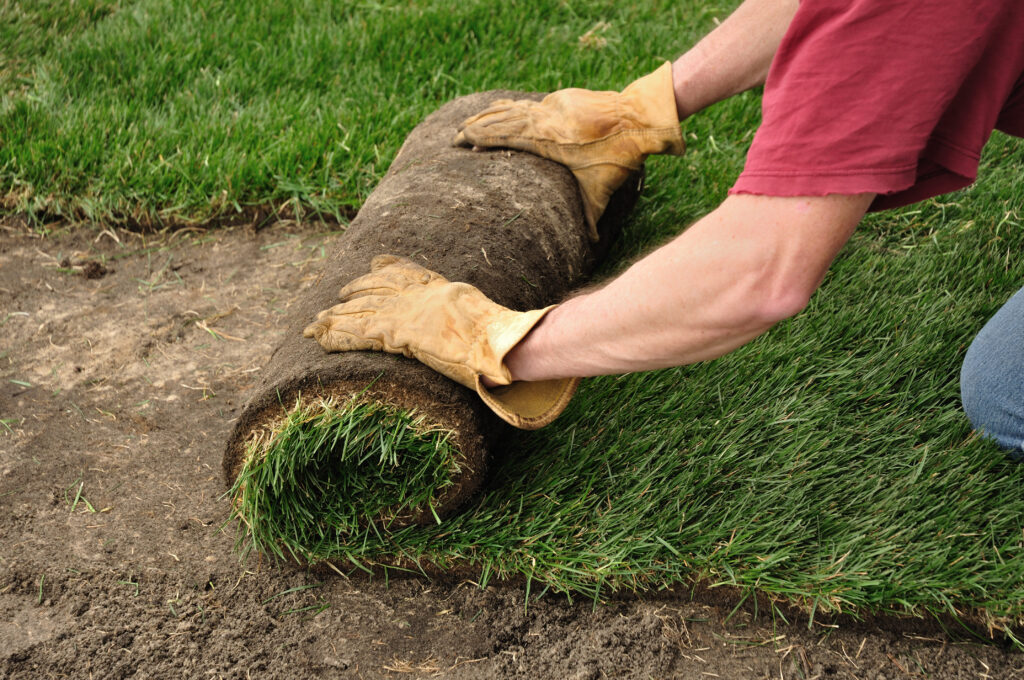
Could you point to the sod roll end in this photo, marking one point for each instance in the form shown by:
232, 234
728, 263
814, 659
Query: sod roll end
328, 441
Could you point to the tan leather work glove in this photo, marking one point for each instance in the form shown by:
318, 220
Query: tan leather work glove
402, 308
601, 136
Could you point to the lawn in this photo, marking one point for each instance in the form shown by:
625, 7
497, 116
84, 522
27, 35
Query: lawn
827, 463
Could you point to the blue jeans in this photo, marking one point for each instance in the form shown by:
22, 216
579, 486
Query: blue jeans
992, 378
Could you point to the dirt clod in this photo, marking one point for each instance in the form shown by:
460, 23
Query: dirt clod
93, 270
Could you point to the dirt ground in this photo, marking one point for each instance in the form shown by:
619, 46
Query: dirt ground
124, 359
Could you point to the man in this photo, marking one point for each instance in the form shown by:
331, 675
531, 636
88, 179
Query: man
868, 104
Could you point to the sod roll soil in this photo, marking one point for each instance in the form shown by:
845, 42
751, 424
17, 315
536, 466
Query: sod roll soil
509, 223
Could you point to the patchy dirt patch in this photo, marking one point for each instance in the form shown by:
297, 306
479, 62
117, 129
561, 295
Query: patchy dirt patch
117, 394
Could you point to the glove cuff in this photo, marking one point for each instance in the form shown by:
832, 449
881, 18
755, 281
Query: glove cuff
528, 405
653, 100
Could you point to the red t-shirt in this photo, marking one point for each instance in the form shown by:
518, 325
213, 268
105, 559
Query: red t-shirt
895, 97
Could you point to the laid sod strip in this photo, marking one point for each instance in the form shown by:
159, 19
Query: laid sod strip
328, 471
28, 30
181, 111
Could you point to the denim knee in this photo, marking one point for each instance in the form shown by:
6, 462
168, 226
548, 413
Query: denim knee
992, 378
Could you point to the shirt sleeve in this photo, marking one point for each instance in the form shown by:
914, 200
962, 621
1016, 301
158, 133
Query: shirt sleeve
892, 97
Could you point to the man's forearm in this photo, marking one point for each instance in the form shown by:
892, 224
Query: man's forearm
749, 264
732, 58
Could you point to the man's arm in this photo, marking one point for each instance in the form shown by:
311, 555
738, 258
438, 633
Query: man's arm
730, 277
732, 58
752, 262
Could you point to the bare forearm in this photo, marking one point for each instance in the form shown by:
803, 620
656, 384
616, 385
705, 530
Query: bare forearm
723, 282
732, 58
609, 332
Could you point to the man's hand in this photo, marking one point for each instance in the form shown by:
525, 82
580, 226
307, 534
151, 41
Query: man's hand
402, 308
601, 136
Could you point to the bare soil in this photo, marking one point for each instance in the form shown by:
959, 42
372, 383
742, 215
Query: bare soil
124, 360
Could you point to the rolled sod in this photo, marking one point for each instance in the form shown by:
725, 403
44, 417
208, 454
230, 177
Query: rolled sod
329, 442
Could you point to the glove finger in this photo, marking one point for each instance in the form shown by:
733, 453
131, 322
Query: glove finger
474, 137
372, 284
386, 260
357, 307
496, 106
334, 337
389, 275
507, 133
510, 116
505, 117
403, 266
515, 117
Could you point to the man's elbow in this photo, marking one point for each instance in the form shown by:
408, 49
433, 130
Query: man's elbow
782, 302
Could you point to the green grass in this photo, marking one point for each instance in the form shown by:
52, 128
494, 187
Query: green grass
181, 110
28, 30
328, 472
827, 463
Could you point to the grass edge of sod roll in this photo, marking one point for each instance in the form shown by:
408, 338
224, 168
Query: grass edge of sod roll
329, 469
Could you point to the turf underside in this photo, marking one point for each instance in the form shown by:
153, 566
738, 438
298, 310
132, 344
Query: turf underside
827, 463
